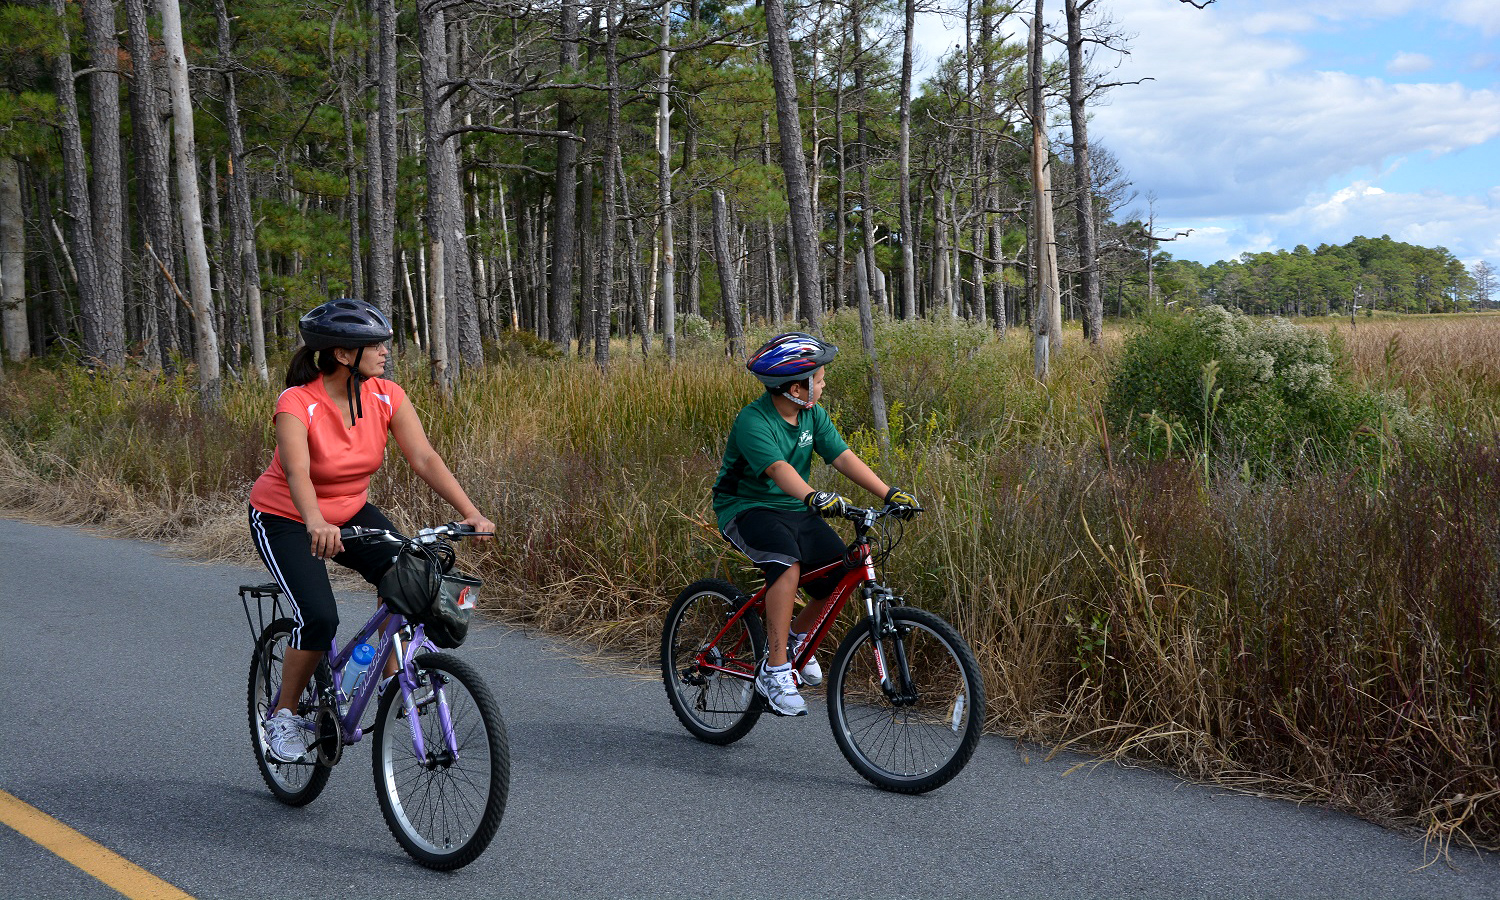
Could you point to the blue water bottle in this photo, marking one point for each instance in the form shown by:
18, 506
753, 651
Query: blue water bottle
357, 668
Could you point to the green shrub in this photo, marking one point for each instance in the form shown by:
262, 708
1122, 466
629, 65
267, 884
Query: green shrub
1244, 389
695, 333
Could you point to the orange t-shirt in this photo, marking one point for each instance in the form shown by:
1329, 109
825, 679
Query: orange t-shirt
341, 460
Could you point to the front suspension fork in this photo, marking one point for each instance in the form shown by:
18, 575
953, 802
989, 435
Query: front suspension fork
896, 682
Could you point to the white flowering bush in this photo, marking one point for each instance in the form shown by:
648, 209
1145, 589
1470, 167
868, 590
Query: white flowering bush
1251, 389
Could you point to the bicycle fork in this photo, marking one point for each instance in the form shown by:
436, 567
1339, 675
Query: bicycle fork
899, 689
448, 754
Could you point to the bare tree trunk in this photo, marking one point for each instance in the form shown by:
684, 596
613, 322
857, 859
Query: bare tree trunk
351, 197
107, 181
380, 169
445, 203
876, 281
694, 291
613, 20
729, 289
564, 190
794, 164
997, 235
664, 187
633, 267
84, 260
862, 282
13, 262
153, 189
207, 344
437, 319
940, 274
1088, 254
588, 295
903, 167
510, 276
1046, 312
841, 193
243, 256
219, 286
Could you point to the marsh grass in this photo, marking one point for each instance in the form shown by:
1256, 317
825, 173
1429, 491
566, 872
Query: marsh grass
1319, 634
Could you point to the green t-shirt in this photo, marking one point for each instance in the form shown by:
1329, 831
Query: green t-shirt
760, 437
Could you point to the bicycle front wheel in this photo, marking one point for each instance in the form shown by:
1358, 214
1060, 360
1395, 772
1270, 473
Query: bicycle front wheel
295, 784
908, 743
715, 700
444, 805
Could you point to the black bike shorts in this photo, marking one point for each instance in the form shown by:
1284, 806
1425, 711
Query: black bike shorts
774, 539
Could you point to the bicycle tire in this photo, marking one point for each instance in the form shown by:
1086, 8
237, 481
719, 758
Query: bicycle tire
715, 707
442, 810
295, 784
915, 748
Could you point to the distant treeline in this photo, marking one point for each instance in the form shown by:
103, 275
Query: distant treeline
1360, 277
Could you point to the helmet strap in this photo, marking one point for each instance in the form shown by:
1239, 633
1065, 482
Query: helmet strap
356, 404
805, 404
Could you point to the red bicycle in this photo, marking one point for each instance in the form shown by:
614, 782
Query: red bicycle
905, 699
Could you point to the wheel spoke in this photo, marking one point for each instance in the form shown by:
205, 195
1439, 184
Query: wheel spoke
703, 654
442, 809
907, 746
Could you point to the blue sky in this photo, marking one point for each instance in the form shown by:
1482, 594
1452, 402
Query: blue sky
1272, 123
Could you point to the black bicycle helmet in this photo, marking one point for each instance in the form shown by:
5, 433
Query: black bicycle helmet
344, 323
789, 357
353, 324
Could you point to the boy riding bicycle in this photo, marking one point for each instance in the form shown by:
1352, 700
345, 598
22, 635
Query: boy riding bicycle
767, 509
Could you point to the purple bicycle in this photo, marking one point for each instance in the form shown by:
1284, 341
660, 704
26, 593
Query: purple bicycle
441, 757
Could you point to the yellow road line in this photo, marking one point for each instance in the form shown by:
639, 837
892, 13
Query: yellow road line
95, 859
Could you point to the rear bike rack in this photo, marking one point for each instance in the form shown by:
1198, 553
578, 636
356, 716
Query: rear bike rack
258, 594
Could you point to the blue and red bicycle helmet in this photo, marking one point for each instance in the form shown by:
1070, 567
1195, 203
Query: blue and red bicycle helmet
789, 357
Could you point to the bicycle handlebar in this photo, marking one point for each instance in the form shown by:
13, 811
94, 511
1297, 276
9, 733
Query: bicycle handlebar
452, 530
870, 515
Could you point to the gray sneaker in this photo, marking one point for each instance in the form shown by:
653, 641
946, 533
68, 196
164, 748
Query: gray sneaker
780, 691
288, 737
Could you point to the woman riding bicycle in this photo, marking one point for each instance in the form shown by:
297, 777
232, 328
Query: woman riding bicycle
766, 508
332, 425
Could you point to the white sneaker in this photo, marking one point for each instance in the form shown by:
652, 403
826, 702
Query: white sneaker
812, 673
779, 688
288, 737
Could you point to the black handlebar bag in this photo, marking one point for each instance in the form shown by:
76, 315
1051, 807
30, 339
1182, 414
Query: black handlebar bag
417, 587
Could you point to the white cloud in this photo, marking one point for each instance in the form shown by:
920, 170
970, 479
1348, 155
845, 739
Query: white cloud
1409, 63
1236, 124
1240, 136
1482, 13
1467, 226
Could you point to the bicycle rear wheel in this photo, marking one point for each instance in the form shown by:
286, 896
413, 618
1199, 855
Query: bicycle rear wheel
914, 744
444, 806
716, 706
295, 784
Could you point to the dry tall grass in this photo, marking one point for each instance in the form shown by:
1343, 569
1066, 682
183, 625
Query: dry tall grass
1321, 635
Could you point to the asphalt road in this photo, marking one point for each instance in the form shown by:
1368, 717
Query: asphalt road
126, 668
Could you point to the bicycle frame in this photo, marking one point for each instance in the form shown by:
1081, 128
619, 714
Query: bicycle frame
859, 561
389, 626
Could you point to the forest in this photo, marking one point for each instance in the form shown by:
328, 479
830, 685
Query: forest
179, 181
1257, 552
